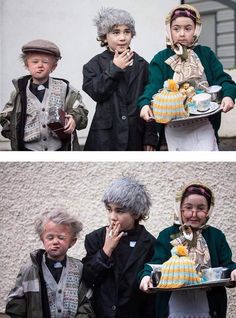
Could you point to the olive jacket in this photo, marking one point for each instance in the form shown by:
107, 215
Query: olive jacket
28, 298
13, 116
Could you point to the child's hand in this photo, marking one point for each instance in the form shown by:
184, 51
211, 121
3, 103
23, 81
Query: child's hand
149, 148
70, 124
113, 236
227, 104
146, 113
145, 283
124, 59
233, 275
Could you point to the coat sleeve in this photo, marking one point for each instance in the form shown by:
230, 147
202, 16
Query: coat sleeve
85, 309
150, 134
96, 263
5, 116
16, 300
76, 107
224, 253
100, 82
220, 77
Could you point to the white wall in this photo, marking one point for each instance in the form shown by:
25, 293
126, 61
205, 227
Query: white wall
69, 24
28, 188
228, 126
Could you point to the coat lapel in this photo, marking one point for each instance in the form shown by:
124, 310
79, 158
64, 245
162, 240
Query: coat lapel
142, 245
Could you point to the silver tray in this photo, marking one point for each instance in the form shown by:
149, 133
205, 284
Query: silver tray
214, 108
221, 282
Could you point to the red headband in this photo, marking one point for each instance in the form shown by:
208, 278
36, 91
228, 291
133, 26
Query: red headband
184, 13
201, 189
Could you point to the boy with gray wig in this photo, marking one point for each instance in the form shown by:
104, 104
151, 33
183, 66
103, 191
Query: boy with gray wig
107, 18
117, 252
114, 79
50, 284
130, 195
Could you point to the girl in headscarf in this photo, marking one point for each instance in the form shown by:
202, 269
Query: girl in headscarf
206, 245
184, 59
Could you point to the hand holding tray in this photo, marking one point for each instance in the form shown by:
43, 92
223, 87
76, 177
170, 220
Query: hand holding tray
208, 284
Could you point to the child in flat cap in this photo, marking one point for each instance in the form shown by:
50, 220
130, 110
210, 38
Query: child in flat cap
114, 79
118, 251
43, 112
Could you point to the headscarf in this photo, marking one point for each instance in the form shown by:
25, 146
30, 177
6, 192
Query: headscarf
185, 63
193, 188
193, 240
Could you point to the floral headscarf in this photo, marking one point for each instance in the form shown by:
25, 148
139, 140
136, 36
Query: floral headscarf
168, 21
193, 240
185, 63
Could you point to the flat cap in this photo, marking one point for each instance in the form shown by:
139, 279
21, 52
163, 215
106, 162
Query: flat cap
42, 46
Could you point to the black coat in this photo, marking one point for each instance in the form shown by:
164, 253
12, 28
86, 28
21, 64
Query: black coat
116, 124
116, 290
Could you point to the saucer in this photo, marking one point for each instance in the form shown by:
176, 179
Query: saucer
212, 107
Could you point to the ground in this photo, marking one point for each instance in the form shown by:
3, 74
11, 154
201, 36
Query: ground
226, 144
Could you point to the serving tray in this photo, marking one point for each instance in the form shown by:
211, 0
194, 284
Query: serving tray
214, 108
221, 282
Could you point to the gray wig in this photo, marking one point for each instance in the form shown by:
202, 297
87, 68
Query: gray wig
129, 195
59, 217
107, 18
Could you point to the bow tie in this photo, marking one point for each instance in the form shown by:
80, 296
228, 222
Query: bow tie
57, 265
41, 87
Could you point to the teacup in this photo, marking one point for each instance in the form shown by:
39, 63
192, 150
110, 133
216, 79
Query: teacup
202, 101
213, 274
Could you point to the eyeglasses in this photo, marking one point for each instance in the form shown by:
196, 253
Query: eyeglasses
200, 210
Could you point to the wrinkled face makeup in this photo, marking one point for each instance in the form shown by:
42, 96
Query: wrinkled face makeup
182, 31
118, 216
194, 210
119, 38
57, 239
40, 65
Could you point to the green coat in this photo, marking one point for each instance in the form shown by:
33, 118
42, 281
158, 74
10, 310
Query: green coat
159, 72
220, 254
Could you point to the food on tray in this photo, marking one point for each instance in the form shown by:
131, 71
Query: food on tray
188, 91
179, 270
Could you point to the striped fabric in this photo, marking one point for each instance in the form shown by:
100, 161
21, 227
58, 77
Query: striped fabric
168, 105
178, 271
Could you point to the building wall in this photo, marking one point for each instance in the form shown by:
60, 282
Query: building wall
69, 24
224, 31
28, 188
